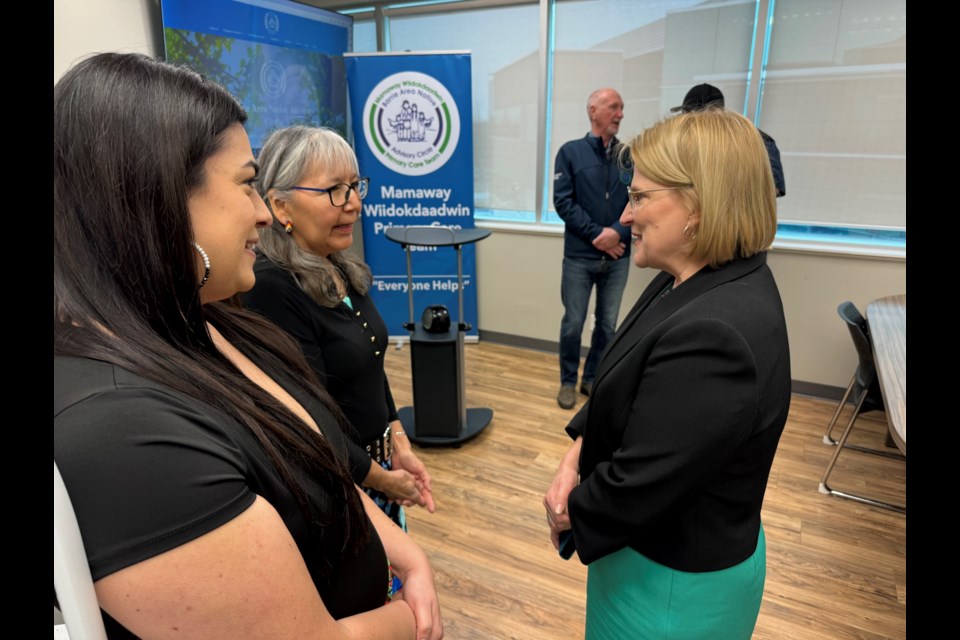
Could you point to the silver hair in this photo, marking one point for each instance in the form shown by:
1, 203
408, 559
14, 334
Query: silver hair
286, 158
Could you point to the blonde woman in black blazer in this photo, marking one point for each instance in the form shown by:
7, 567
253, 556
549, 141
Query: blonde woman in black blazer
663, 486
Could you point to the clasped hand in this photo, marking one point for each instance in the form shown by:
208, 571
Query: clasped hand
410, 480
608, 241
555, 502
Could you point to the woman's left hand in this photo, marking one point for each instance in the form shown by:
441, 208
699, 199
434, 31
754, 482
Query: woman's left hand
555, 501
410, 563
420, 593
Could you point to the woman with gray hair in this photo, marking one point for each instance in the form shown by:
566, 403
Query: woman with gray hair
310, 286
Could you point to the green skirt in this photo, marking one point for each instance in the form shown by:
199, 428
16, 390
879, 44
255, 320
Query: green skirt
630, 597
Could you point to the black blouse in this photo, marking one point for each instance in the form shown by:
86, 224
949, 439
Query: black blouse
344, 346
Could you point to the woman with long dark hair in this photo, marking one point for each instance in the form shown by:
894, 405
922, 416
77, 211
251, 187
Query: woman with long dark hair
206, 465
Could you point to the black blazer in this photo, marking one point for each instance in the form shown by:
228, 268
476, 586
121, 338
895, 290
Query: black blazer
680, 430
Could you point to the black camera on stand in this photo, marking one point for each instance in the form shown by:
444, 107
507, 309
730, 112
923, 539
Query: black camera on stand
439, 415
435, 319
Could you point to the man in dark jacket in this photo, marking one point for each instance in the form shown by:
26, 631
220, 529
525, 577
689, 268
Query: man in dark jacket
589, 194
706, 95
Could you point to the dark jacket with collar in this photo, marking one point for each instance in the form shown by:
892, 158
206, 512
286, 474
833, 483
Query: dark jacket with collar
683, 422
590, 193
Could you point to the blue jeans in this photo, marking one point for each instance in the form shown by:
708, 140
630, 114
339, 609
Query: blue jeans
579, 277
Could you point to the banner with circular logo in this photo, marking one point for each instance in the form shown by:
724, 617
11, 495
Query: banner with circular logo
413, 135
411, 123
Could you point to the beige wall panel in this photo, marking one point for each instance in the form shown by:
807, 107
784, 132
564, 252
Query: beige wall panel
82, 27
519, 294
811, 287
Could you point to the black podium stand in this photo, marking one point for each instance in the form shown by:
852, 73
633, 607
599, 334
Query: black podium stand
439, 414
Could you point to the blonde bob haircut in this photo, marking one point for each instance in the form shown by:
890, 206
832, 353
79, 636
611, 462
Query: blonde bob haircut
720, 164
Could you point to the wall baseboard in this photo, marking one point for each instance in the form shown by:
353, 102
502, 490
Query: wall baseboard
816, 390
812, 389
534, 344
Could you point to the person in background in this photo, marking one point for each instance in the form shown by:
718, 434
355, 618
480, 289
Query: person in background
205, 463
704, 96
312, 287
663, 485
589, 192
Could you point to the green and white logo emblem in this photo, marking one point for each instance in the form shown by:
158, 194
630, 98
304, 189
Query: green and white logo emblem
411, 123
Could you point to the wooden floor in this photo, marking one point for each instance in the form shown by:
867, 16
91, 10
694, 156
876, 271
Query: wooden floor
835, 568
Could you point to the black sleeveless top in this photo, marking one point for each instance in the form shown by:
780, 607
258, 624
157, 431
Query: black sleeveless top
149, 469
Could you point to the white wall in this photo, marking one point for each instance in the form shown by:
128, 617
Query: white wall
82, 27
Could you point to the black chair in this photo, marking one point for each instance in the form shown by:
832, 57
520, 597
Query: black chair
874, 400
866, 396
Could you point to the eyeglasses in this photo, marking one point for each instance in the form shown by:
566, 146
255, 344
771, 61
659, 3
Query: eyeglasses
636, 196
340, 193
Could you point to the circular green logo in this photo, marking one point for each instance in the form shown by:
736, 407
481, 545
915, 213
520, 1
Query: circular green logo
411, 123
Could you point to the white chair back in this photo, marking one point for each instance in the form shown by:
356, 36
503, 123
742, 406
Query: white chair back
71, 573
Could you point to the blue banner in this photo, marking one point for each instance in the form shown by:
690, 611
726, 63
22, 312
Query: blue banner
413, 133
281, 59
282, 23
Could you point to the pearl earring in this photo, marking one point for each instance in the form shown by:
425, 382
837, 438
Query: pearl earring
206, 265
